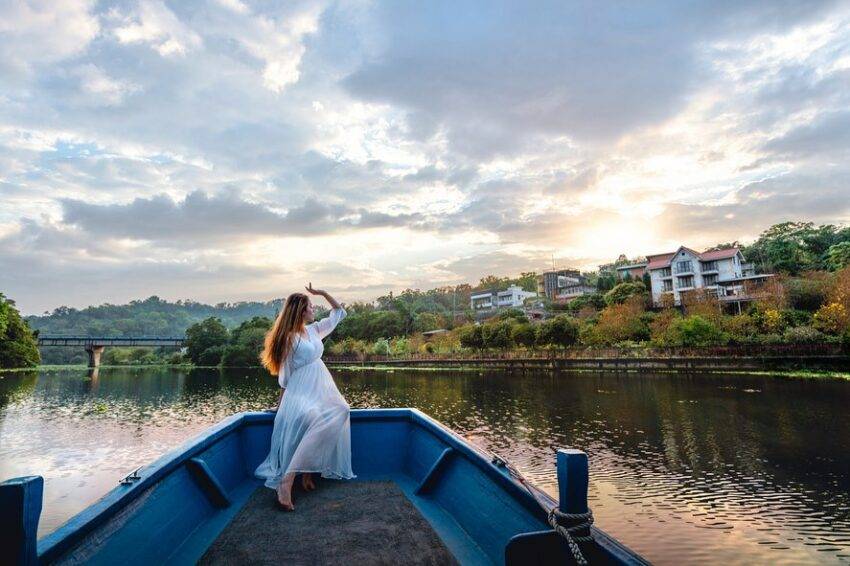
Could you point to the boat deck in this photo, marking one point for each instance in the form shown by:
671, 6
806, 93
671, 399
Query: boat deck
366, 522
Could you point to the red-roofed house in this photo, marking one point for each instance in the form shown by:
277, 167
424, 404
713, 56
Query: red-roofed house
686, 269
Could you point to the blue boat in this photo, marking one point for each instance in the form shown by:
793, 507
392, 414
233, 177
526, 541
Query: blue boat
422, 495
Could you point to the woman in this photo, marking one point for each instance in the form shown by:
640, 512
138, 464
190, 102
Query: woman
312, 433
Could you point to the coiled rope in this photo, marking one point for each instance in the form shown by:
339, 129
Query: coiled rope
573, 534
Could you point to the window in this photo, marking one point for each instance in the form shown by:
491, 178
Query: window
684, 266
666, 272
668, 285
685, 281
709, 279
709, 266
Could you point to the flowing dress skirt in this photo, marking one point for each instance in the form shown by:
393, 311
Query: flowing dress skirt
312, 431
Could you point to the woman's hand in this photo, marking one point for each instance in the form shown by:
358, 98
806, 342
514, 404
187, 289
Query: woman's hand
331, 300
312, 291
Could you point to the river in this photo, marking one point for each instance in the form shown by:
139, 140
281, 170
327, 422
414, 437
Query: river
684, 468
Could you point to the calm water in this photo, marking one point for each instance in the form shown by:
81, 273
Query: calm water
683, 468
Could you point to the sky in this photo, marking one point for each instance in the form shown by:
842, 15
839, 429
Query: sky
227, 150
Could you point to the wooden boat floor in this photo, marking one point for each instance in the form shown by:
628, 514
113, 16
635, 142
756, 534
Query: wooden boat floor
366, 522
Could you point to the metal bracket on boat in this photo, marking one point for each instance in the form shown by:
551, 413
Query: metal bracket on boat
499, 461
130, 478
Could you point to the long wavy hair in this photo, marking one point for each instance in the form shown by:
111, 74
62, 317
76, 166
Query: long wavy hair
287, 325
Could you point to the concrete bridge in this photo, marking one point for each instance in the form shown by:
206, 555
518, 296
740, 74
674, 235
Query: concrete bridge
95, 345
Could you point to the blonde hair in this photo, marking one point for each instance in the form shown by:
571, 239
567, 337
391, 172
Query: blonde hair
280, 338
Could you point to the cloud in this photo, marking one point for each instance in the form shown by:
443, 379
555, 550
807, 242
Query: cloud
152, 23
201, 219
402, 145
495, 78
41, 32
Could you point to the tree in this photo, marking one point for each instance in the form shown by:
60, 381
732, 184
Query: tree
559, 331
470, 336
426, 321
694, 331
18, 346
838, 256
620, 322
522, 334
513, 314
623, 291
246, 343
209, 334
593, 300
497, 335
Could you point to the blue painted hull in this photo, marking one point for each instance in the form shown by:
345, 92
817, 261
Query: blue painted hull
184, 500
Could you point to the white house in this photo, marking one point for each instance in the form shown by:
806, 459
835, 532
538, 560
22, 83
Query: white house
686, 269
513, 296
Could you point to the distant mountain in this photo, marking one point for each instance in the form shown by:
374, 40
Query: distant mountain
149, 317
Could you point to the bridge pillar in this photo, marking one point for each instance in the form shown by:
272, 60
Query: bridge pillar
94, 353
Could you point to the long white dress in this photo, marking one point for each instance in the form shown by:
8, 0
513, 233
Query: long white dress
312, 431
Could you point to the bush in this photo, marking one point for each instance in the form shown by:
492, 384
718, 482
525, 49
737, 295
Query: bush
804, 335
795, 317
470, 336
561, 331
497, 335
594, 300
517, 315
624, 291
740, 329
807, 293
211, 356
832, 318
522, 334
619, 323
694, 331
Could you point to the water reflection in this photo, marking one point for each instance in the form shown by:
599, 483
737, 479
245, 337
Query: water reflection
683, 468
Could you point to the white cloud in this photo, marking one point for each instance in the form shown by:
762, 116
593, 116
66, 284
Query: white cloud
40, 32
154, 24
416, 147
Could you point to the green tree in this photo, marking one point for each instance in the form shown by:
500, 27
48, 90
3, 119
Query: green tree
470, 336
594, 300
246, 342
517, 315
623, 291
18, 346
694, 331
522, 334
205, 341
560, 331
497, 335
838, 256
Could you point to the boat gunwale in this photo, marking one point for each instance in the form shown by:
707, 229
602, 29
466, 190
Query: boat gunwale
73, 531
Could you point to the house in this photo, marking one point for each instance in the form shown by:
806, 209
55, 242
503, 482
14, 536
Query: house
512, 297
563, 285
722, 271
631, 270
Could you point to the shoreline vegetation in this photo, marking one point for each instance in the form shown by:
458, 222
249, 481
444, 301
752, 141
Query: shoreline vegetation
805, 307
470, 368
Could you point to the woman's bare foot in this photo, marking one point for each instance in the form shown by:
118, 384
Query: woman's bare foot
284, 492
307, 482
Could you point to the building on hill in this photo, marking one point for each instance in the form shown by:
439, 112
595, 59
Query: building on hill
563, 285
631, 270
493, 299
724, 272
